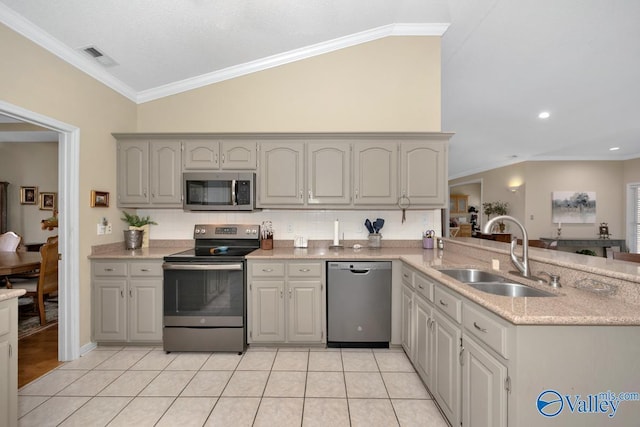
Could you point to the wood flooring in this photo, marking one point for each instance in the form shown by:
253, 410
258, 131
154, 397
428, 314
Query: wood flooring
37, 355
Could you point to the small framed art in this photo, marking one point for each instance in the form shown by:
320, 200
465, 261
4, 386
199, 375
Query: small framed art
28, 195
48, 201
99, 199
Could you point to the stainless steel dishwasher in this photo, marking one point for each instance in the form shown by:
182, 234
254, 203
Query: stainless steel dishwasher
359, 304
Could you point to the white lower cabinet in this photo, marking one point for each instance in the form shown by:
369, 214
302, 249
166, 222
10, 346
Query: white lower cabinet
446, 362
127, 301
484, 387
9, 362
407, 320
424, 339
286, 302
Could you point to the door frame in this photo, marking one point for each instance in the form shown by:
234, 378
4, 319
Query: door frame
68, 223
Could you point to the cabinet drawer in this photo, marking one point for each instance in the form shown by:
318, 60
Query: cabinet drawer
424, 286
304, 269
407, 276
110, 269
145, 269
488, 330
267, 269
448, 303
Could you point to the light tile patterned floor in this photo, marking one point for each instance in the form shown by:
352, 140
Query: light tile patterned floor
134, 386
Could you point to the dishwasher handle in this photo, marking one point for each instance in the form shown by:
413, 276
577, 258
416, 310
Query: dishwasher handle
360, 271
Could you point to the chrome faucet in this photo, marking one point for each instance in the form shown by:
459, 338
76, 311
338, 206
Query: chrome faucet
521, 265
554, 279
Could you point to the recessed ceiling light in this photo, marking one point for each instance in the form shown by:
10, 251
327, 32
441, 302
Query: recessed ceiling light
614, 148
544, 115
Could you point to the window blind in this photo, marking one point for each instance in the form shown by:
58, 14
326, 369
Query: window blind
634, 244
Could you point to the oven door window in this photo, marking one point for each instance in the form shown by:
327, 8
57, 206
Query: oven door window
204, 293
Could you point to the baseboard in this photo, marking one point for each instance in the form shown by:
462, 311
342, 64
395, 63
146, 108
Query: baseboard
87, 348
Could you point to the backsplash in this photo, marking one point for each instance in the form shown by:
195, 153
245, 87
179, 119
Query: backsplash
316, 225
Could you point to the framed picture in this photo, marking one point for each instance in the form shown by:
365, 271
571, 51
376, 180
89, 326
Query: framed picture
28, 195
575, 207
99, 199
48, 201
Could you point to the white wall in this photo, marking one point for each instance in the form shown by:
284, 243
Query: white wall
317, 225
33, 164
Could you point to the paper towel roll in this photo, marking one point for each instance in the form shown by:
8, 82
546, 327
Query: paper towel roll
336, 233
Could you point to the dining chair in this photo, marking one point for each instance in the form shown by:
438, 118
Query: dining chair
626, 256
47, 281
9, 241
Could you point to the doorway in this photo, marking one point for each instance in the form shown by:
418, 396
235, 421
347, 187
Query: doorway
473, 190
68, 222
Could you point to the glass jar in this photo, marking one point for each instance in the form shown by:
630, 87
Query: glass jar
374, 240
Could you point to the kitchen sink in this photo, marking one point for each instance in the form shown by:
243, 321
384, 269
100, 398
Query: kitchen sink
508, 289
472, 275
493, 283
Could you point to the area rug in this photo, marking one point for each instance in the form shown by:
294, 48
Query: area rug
29, 322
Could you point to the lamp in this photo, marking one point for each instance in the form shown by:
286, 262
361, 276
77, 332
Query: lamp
514, 188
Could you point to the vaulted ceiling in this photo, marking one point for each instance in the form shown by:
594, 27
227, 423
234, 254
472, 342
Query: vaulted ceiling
504, 61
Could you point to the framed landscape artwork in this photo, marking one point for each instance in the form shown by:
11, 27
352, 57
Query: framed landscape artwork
99, 199
573, 207
47, 201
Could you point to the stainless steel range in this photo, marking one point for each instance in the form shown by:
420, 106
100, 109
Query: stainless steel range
205, 290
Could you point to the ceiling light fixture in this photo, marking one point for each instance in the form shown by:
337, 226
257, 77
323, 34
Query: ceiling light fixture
614, 148
544, 115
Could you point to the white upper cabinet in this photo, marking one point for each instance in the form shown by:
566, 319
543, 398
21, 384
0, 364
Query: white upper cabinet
375, 173
329, 173
281, 173
423, 173
206, 154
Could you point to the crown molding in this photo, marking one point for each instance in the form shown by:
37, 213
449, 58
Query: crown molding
291, 56
32, 32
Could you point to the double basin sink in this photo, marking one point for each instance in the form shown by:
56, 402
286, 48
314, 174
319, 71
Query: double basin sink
493, 283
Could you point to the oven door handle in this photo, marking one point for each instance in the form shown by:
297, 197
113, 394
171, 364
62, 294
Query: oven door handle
189, 266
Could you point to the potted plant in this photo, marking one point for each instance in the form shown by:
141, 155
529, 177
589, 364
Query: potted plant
139, 224
497, 208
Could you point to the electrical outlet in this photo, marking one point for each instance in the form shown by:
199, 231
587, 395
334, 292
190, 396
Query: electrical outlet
108, 229
289, 228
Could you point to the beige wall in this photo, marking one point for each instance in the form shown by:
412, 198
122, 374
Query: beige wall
36, 80
531, 204
33, 164
392, 84
631, 171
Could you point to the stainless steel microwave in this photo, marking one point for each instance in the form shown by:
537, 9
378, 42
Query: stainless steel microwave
219, 191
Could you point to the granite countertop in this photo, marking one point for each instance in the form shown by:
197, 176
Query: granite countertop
572, 306
6, 294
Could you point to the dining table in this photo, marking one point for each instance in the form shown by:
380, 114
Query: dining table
18, 262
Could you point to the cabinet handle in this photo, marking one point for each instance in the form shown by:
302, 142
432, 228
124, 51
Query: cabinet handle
461, 356
356, 193
310, 195
405, 275
108, 269
130, 293
420, 287
146, 270
481, 329
223, 158
304, 270
10, 351
290, 293
300, 194
281, 294
267, 270
121, 293
444, 303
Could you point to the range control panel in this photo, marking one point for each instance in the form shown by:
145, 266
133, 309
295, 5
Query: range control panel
235, 231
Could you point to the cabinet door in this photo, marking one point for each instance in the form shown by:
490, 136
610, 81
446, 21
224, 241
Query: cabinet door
446, 386
267, 311
238, 154
375, 174
484, 395
166, 173
9, 362
423, 351
407, 321
200, 154
145, 310
305, 318
281, 173
110, 315
133, 173
423, 173
329, 173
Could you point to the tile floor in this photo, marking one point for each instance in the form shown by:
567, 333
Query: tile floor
134, 386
